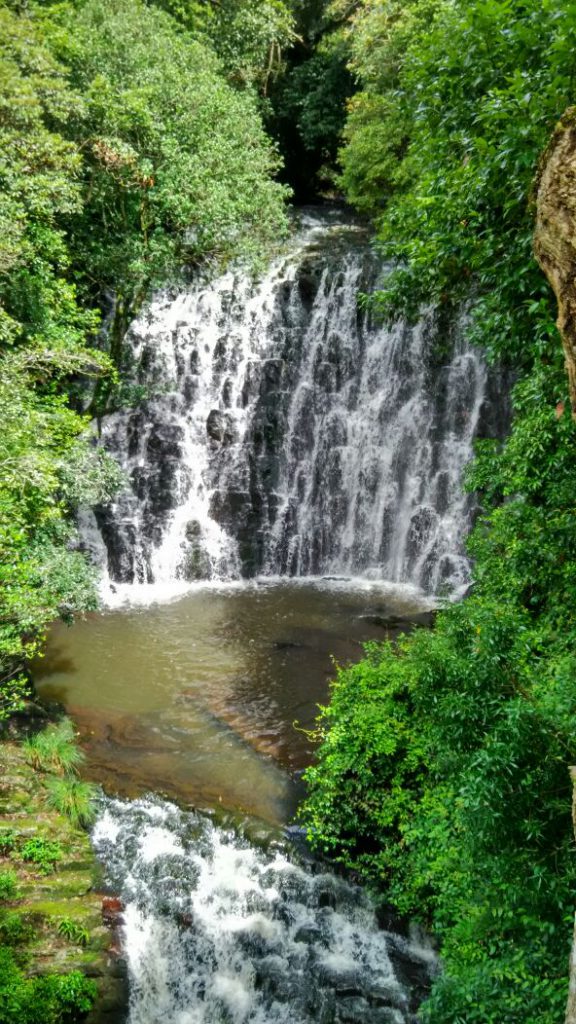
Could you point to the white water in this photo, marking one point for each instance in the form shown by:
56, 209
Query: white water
287, 434
218, 931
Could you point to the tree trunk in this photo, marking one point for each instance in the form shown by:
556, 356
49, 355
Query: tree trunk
555, 235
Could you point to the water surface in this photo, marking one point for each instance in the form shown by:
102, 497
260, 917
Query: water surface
208, 698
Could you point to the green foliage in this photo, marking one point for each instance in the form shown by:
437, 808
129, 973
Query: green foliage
46, 1000
73, 798
8, 841
43, 853
249, 38
41, 577
442, 774
43, 331
443, 140
73, 931
308, 100
8, 885
14, 929
55, 749
176, 166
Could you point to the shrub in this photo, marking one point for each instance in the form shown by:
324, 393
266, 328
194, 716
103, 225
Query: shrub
14, 929
8, 840
48, 1000
43, 853
8, 885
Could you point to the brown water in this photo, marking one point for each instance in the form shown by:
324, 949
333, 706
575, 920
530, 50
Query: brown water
207, 698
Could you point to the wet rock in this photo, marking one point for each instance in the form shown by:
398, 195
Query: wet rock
112, 908
220, 427
112, 1005
322, 1004
344, 982
70, 891
413, 975
308, 933
327, 897
272, 372
272, 978
382, 993
384, 1015
195, 564
193, 530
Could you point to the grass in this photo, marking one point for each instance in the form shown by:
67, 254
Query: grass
74, 798
55, 750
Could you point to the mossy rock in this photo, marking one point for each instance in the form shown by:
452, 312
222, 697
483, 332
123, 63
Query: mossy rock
68, 892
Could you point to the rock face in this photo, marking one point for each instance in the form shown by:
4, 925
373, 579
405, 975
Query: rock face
298, 434
555, 236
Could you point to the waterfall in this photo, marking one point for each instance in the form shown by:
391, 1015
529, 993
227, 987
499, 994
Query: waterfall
216, 930
283, 431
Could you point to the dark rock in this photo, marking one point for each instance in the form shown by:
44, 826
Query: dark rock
345, 983
413, 975
193, 530
308, 933
220, 427
112, 1004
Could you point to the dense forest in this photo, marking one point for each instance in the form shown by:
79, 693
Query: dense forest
142, 142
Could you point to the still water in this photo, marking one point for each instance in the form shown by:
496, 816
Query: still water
207, 698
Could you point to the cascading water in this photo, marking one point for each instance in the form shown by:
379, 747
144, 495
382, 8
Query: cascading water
218, 932
286, 433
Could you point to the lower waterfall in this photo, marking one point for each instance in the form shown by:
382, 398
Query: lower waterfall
216, 930
284, 432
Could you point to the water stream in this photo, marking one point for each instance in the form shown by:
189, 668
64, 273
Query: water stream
293, 490
218, 930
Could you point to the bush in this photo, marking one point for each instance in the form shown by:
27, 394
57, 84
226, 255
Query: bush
8, 885
48, 1000
43, 853
14, 929
8, 840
